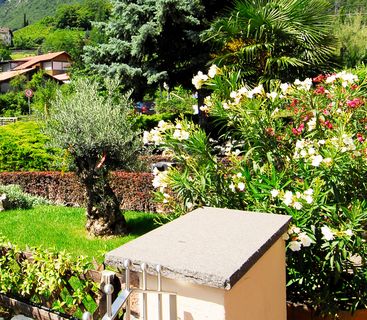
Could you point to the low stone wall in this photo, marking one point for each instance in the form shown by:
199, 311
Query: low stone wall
134, 190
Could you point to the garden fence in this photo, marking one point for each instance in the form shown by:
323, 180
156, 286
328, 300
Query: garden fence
6, 120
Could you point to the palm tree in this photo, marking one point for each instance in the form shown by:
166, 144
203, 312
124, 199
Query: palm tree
273, 39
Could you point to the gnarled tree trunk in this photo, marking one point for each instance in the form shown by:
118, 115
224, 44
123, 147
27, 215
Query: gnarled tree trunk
104, 216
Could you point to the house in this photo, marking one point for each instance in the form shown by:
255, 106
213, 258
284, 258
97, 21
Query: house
6, 36
55, 65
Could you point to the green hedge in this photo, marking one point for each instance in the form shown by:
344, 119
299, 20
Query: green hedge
24, 148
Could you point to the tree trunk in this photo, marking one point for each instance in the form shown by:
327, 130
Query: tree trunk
104, 217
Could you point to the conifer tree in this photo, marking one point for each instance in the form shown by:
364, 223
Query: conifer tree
152, 41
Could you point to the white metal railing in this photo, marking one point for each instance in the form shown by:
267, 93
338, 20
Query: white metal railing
123, 299
7, 120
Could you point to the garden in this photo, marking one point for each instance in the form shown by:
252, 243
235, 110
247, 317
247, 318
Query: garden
273, 119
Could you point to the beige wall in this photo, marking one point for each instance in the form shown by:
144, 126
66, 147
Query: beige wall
194, 302
259, 295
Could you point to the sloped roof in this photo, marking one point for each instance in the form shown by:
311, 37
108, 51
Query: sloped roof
36, 59
62, 77
11, 74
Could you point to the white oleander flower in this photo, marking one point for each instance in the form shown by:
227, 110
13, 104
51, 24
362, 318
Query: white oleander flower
311, 151
295, 245
297, 205
288, 198
305, 239
272, 95
311, 124
241, 186
327, 233
327, 161
199, 80
316, 160
300, 144
348, 232
284, 87
213, 71
274, 193
294, 229
308, 199
146, 136
309, 192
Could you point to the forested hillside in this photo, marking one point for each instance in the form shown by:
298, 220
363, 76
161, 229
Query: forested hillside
12, 11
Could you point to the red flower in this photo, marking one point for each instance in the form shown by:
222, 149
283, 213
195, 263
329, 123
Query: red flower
294, 102
270, 132
319, 78
328, 124
360, 137
354, 86
320, 90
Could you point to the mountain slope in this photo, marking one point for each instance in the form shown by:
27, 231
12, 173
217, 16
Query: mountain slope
12, 11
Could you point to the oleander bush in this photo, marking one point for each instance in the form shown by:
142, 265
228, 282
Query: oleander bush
299, 149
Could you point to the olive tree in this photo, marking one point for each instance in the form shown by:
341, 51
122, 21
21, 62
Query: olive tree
93, 127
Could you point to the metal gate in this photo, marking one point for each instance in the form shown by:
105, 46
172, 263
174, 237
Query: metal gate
123, 300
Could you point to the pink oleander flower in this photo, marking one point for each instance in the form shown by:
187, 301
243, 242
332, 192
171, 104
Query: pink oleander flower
298, 131
355, 103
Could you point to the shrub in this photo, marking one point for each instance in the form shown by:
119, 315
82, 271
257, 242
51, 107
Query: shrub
300, 150
17, 199
352, 35
13, 104
42, 276
177, 101
24, 148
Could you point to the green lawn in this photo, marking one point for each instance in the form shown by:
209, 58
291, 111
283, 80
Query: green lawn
62, 228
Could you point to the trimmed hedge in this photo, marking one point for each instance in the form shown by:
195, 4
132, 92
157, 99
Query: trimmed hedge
134, 190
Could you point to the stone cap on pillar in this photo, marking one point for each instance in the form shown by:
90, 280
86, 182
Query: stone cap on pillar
209, 246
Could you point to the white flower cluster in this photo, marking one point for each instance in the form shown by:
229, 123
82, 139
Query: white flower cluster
156, 135
201, 78
329, 234
295, 200
237, 183
179, 133
303, 85
308, 150
298, 238
241, 93
346, 143
160, 179
346, 78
